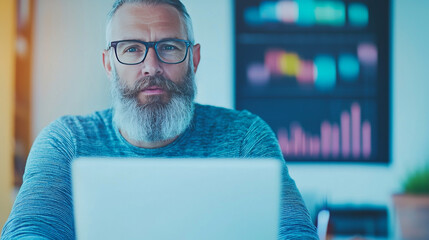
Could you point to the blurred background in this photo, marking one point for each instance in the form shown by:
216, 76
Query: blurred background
343, 83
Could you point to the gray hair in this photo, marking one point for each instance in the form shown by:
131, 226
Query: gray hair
177, 4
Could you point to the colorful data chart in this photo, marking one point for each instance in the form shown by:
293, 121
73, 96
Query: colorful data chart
319, 73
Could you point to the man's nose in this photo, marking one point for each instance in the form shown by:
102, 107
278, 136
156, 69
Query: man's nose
151, 64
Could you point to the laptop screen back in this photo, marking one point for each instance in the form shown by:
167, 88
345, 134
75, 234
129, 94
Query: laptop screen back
122, 198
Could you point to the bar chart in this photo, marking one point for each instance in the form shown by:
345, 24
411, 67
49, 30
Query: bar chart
350, 138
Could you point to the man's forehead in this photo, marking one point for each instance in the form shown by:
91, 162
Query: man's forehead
159, 18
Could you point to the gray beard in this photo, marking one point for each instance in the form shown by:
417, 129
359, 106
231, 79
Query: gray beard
155, 120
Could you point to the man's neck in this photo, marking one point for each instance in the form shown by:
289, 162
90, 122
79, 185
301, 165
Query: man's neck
143, 144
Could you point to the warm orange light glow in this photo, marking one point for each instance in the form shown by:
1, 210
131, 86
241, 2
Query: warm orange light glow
7, 76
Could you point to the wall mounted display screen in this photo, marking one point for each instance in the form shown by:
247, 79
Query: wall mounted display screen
318, 72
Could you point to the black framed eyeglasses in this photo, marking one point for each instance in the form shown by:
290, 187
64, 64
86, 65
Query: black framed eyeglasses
132, 52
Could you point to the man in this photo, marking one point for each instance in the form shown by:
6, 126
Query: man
151, 60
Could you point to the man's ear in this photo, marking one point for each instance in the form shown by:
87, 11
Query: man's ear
196, 56
106, 63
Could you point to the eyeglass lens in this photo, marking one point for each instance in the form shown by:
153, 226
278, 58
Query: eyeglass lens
169, 51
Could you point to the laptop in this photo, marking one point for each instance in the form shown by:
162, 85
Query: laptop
180, 198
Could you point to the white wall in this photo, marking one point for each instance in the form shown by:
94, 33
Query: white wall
411, 85
213, 30
69, 79
68, 76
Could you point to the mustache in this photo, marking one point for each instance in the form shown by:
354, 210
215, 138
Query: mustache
148, 82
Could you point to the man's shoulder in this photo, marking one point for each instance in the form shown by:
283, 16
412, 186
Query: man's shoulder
97, 117
82, 123
223, 118
222, 114
238, 132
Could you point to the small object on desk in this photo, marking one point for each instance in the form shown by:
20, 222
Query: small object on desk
322, 224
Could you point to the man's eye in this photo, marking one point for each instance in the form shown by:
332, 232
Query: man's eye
169, 47
132, 49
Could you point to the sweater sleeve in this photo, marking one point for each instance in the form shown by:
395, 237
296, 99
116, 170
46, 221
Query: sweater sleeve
43, 207
295, 221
